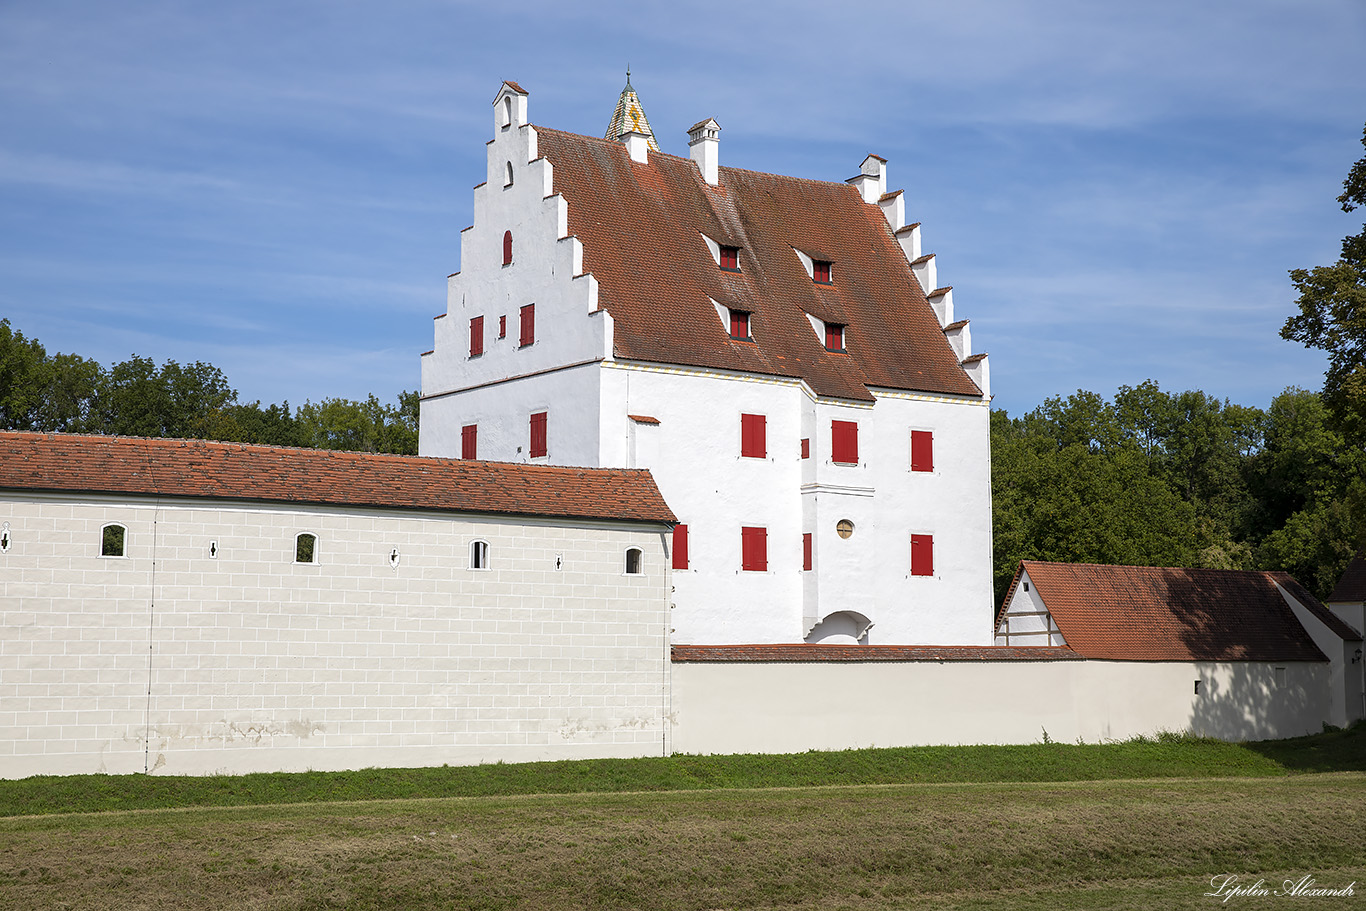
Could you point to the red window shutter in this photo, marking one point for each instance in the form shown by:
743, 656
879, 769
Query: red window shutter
753, 433
922, 555
538, 446
502, 327
844, 442
739, 324
680, 549
806, 448
821, 271
806, 551
507, 247
528, 325
469, 441
834, 337
476, 336
730, 258
754, 549
922, 450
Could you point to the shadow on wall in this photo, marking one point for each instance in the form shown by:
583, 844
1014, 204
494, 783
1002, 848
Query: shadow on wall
1244, 701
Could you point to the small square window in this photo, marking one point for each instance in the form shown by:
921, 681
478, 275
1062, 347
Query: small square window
479, 555
730, 259
635, 561
739, 325
306, 548
112, 540
834, 337
820, 272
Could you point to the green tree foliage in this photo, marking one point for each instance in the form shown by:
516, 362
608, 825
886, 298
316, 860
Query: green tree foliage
1332, 315
367, 426
44, 392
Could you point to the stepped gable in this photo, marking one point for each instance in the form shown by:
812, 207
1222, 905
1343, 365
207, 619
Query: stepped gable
641, 226
1352, 585
1147, 613
239, 471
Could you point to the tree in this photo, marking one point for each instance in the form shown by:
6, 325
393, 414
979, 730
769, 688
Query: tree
367, 426
1332, 315
44, 392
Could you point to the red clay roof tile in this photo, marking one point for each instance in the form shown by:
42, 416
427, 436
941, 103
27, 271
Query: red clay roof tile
238, 471
639, 225
1352, 585
1149, 613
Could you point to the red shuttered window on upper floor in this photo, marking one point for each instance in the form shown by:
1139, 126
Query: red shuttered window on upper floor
538, 438
528, 326
680, 548
844, 442
476, 336
502, 327
806, 551
922, 555
922, 450
753, 436
507, 248
754, 549
469, 441
806, 448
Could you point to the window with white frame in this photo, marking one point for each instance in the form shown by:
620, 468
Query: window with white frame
635, 561
479, 555
113, 540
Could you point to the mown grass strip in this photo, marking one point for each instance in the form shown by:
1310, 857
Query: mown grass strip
1163, 757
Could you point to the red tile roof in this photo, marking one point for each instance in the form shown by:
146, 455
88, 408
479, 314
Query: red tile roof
1352, 585
640, 226
1147, 613
237, 471
853, 653
1339, 626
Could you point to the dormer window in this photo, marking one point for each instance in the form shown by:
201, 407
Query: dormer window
730, 259
739, 325
834, 337
820, 272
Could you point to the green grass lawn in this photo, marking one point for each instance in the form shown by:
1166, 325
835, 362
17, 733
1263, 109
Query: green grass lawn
1142, 824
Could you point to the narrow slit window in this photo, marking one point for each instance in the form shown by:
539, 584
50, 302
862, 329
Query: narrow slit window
113, 538
528, 325
502, 327
507, 176
507, 248
806, 552
479, 555
4, 539
739, 325
469, 441
820, 272
680, 548
305, 548
538, 435
730, 259
635, 561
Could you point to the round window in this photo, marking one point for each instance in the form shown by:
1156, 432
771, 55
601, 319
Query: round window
844, 528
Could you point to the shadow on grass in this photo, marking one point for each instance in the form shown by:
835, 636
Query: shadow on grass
1331, 751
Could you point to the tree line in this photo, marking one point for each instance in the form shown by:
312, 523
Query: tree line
68, 393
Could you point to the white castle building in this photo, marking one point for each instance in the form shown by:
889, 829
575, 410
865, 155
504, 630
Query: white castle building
775, 350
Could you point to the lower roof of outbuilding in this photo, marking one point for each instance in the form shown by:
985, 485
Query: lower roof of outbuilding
202, 469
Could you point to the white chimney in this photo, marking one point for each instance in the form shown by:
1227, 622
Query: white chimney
871, 180
637, 145
704, 147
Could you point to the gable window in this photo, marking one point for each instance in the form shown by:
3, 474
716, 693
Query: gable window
479, 555
305, 548
502, 327
834, 337
507, 175
507, 111
507, 248
112, 540
635, 561
754, 549
528, 326
680, 548
739, 324
844, 442
922, 555
753, 433
730, 259
820, 272
476, 336
922, 450
469, 441
806, 552
538, 440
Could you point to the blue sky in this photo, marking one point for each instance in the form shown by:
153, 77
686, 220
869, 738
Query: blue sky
1115, 191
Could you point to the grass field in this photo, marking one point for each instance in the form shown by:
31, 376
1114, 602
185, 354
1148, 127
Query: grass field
740, 832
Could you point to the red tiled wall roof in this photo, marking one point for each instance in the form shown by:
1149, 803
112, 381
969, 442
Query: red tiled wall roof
1146, 613
237, 471
640, 226
853, 653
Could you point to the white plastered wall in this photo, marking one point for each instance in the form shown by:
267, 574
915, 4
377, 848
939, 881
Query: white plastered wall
259, 663
1027, 621
1346, 683
751, 707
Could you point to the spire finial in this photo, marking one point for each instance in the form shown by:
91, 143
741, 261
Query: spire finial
628, 78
